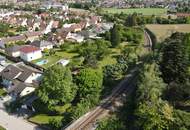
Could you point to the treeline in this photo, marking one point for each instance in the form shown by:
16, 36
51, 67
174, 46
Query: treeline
136, 19
161, 101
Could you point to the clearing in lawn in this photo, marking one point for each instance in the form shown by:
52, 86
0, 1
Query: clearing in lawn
143, 11
163, 31
43, 119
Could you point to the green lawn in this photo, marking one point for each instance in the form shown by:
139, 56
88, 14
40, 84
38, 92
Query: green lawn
110, 59
1, 128
54, 58
62, 109
43, 119
144, 11
2, 92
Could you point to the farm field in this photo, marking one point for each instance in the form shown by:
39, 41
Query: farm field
164, 31
144, 11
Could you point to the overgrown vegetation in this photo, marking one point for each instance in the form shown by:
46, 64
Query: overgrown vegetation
83, 90
161, 99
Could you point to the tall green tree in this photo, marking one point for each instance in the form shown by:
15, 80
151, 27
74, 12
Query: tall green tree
93, 51
89, 82
152, 113
175, 62
111, 124
174, 66
115, 36
57, 86
131, 20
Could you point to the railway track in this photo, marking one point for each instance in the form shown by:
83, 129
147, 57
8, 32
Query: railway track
126, 85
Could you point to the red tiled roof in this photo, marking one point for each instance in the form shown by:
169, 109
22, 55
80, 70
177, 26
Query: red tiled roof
183, 14
29, 49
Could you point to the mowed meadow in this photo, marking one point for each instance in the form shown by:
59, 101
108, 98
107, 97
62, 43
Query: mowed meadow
143, 11
163, 31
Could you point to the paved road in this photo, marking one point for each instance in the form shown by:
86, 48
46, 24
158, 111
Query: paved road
12, 122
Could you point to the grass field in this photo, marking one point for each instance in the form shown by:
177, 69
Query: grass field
2, 92
55, 58
43, 119
144, 11
164, 31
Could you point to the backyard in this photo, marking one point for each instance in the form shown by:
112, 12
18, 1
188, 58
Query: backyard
163, 31
74, 57
52, 59
43, 119
143, 11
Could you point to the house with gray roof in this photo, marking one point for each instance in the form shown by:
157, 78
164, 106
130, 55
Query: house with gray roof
20, 79
13, 51
42, 44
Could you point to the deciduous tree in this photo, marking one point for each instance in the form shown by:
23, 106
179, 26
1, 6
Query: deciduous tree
57, 86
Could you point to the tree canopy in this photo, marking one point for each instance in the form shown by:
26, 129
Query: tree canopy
115, 36
90, 83
152, 112
57, 86
93, 51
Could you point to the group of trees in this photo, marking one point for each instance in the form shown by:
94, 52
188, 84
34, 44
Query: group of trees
163, 90
138, 19
86, 6
127, 59
57, 86
60, 87
120, 33
175, 63
94, 51
151, 111
5, 30
89, 83
145, 109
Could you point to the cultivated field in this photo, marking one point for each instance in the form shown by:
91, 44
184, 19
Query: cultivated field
144, 11
164, 31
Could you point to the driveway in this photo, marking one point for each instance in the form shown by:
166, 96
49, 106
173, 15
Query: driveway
12, 122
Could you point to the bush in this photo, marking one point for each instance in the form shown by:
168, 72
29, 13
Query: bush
55, 124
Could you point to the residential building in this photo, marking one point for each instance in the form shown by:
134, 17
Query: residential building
20, 79
42, 44
13, 51
29, 53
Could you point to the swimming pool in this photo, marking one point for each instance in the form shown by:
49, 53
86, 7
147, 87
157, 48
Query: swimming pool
42, 62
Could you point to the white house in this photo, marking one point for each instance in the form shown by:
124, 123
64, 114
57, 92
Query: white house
49, 27
29, 53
